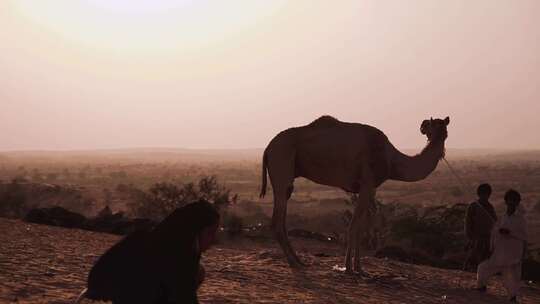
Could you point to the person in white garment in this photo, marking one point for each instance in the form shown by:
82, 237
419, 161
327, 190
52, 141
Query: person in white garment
509, 239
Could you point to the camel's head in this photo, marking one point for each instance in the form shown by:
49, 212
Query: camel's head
435, 129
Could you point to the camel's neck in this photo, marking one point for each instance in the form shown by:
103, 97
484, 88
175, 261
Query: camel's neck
414, 168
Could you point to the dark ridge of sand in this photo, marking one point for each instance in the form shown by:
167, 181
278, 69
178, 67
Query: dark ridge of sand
43, 264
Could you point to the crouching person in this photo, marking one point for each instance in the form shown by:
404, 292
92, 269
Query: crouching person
157, 267
509, 238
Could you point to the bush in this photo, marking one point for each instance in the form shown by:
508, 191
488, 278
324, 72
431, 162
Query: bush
370, 238
433, 234
437, 231
13, 200
252, 213
55, 216
456, 192
536, 207
233, 224
163, 198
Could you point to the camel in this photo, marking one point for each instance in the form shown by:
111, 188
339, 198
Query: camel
355, 157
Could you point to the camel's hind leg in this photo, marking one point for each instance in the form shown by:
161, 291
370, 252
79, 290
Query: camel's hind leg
279, 227
281, 172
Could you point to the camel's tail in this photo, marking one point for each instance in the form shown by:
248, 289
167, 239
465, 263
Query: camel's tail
264, 180
81, 296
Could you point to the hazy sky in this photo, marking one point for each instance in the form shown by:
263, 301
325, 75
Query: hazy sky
91, 74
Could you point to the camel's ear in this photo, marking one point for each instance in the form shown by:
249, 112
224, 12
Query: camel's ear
447, 120
424, 125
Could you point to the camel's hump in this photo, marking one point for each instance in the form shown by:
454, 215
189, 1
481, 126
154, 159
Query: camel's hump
324, 121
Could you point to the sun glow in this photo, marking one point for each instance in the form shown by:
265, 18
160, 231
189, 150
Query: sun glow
139, 25
231, 73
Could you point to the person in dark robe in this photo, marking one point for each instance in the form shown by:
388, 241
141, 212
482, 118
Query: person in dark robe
160, 266
479, 221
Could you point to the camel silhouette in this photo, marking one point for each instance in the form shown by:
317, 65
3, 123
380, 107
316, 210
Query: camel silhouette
355, 157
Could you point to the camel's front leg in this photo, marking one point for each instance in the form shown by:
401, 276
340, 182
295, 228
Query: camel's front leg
364, 225
351, 242
358, 224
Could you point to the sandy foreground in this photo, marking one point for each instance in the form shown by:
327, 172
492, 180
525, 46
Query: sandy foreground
43, 264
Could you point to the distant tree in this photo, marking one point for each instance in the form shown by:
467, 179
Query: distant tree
123, 188
456, 191
536, 207
36, 175
167, 175
66, 173
51, 177
107, 194
20, 179
118, 174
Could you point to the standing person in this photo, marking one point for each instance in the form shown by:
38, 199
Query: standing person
508, 242
160, 266
479, 222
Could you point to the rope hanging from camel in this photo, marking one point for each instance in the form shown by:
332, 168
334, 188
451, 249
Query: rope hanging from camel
463, 185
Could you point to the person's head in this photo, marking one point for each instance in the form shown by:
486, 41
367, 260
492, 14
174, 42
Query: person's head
207, 236
180, 230
207, 218
512, 198
484, 191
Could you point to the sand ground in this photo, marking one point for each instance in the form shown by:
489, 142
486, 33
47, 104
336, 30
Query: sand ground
43, 264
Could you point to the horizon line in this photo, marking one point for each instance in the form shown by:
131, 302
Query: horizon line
225, 149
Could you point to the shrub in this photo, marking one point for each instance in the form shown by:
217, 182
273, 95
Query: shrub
162, 198
456, 192
438, 230
233, 224
377, 222
210, 190
536, 207
13, 200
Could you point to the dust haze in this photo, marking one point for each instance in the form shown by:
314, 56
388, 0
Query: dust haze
115, 113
